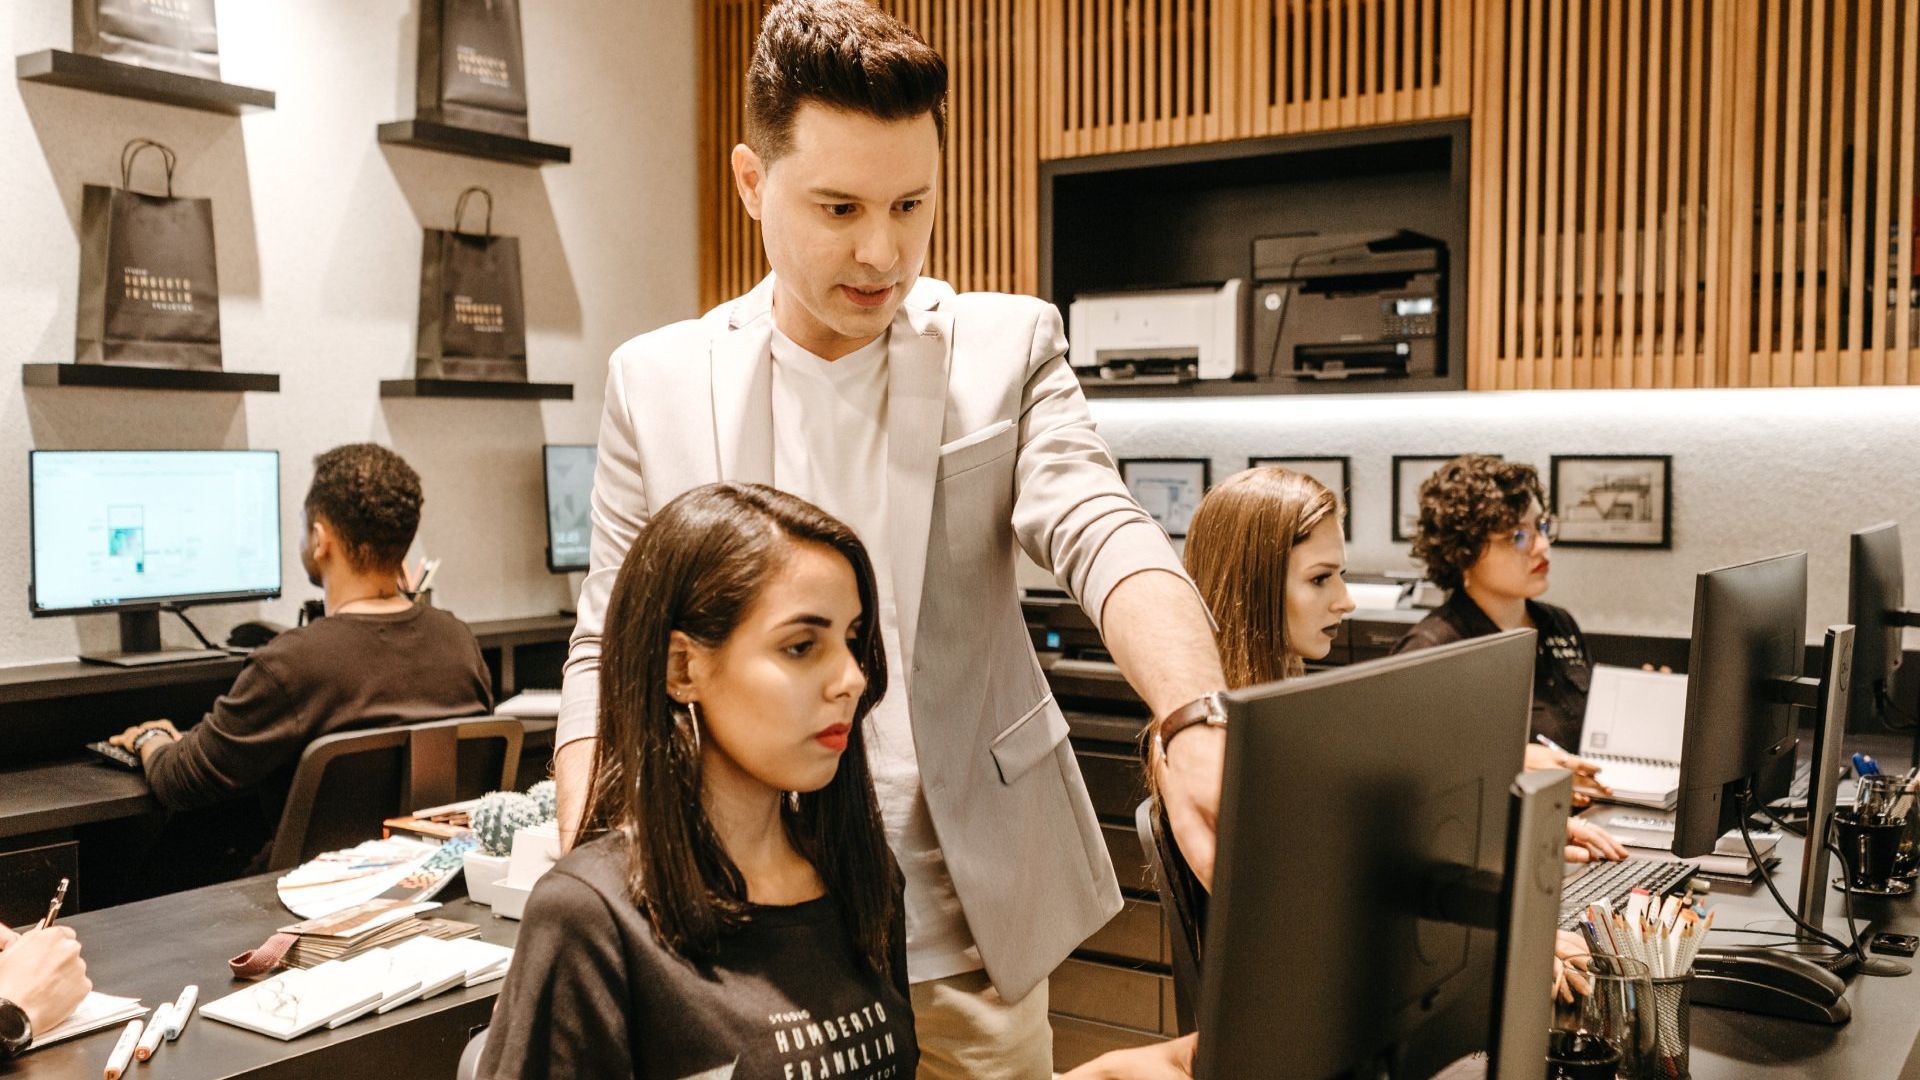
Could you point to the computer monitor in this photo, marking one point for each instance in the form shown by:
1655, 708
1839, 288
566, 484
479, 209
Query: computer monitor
1388, 884
1749, 641
569, 483
136, 531
1876, 606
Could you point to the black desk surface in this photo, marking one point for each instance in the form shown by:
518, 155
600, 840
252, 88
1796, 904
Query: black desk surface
1876, 1045
61, 795
77, 678
151, 949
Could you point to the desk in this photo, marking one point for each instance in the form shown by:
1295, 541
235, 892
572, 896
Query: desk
1877, 1045
152, 948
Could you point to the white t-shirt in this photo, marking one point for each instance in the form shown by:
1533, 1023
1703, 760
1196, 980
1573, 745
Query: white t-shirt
830, 448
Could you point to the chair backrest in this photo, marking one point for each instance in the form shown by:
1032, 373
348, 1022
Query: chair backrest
1183, 905
469, 1066
348, 782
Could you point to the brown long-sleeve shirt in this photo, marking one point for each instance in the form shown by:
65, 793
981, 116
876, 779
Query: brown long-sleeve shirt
342, 672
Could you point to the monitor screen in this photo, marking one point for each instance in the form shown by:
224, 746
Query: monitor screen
138, 528
569, 471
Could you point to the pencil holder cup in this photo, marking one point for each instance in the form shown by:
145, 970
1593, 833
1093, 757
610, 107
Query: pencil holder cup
1673, 1027
1616, 1008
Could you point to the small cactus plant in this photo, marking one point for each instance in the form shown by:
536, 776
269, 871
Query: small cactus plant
500, 815
545, 799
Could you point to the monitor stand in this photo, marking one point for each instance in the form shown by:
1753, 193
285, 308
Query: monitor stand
140, 645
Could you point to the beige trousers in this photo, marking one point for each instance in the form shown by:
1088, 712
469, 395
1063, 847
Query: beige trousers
967, 1032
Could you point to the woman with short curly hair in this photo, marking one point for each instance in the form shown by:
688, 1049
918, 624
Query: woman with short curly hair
1485, 538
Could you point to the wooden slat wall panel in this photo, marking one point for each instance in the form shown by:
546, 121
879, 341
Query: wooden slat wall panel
1827, 248
1673, 193
1248, 68
996, 50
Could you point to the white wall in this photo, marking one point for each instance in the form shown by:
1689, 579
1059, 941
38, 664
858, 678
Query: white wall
1755, 473
319, 245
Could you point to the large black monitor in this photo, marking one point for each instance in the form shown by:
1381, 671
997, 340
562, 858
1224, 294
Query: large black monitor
137, 531
1387, 885
1749, 641
569, 483
1876, 606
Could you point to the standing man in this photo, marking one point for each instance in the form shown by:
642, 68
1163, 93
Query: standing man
945, 429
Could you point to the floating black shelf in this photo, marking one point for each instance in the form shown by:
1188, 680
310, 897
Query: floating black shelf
431, 135
476, 388
59, 67
124, 377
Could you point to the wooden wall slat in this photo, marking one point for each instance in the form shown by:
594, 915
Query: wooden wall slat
1875, 372
1592, 69
1673, 117
1900, 370
1859, 162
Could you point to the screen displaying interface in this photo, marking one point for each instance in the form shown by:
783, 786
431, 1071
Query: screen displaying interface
569, 510
119, 528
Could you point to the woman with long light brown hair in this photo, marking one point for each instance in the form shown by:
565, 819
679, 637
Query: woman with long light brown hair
1265, 548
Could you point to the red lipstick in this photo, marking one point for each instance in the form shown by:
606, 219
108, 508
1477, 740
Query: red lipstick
834, 738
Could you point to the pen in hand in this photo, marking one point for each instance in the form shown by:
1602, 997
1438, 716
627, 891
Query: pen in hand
53, 909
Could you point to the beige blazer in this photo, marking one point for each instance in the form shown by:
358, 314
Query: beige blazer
989, 444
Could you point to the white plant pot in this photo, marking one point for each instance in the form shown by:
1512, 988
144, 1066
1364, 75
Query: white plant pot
484, 874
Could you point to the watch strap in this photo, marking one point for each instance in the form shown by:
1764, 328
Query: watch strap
16, 1029
148, 735
1205, 709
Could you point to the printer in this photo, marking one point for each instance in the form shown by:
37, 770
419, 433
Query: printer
1157, 335
1330, 306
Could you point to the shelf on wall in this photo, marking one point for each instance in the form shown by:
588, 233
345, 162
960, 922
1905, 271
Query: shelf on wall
431, 135
1218, 388
58, 67
476, 388
126, 377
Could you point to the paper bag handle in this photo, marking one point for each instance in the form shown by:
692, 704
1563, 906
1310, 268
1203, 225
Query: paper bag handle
132, 150
460, 208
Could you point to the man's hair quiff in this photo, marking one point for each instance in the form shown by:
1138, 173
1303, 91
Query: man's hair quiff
843, 54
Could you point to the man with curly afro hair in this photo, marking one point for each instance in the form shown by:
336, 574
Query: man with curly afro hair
377, 659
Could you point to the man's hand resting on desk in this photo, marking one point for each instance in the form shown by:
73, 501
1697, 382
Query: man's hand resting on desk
146, 750
1585, 773
41, 971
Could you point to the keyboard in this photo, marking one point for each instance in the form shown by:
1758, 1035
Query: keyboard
1614, 881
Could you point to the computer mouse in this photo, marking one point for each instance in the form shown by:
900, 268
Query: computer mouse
253, 634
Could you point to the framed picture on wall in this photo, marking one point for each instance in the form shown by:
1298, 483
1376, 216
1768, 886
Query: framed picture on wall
1334, 472
1168, 488
1409, 472
1613, 500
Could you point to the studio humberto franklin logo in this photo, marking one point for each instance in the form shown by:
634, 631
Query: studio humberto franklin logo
491, 70
173, 294
479, 317
169, 9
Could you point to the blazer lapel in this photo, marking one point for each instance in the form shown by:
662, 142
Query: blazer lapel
918, 353
743, 389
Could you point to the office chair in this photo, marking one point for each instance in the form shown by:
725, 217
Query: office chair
1183, 906
469, 1067
348, 782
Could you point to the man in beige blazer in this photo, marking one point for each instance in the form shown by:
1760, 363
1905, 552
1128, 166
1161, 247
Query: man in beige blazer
976, 439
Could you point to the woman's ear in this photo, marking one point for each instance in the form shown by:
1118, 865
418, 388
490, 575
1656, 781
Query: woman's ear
684, 664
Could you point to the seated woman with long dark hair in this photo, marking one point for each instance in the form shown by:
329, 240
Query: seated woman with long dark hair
732, 909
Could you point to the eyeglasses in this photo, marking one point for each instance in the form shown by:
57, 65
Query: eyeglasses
1547, 526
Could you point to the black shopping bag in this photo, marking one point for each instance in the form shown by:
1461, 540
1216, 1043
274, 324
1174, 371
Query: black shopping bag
173, 35
471, 72
472, 322
149, 283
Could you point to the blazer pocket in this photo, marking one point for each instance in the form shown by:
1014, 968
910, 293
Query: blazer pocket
975, 449
1029, 740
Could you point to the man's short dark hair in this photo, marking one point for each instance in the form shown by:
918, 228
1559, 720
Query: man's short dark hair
371, 498
844, 54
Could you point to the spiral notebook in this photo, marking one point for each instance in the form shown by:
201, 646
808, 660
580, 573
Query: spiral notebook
1633, 730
